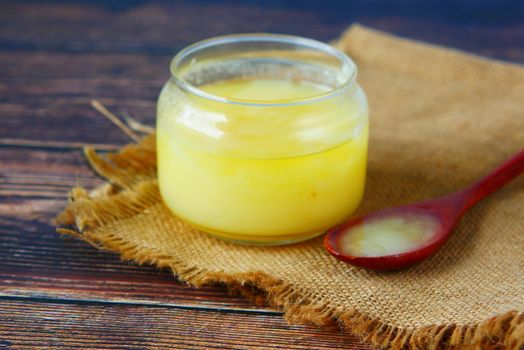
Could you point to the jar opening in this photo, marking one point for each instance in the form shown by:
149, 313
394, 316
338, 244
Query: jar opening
263, 56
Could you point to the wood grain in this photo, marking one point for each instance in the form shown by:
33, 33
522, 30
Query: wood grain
31, 106
164, 27
26, 324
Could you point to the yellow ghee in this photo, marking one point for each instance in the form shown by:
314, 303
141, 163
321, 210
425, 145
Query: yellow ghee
261, 174
389, 235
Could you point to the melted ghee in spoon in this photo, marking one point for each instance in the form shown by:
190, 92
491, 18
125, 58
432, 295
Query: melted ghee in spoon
389, 235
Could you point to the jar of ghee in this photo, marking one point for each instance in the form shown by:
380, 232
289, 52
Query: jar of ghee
262, 138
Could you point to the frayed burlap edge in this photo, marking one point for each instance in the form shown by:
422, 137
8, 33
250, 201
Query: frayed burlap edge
132, 189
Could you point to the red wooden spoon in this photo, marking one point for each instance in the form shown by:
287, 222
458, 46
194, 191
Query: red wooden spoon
414, 231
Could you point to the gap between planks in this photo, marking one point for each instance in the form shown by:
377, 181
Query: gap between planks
42, 298
56, 145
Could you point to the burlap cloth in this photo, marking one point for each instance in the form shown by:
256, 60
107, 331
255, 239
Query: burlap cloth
439, 120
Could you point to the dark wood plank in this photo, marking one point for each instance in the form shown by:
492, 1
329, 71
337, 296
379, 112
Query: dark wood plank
38, 262
63, 67
42, 96
58, 111
155, 26
164, 27
52, 172
28, 324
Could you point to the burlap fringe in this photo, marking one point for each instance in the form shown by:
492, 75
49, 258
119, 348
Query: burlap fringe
127, 196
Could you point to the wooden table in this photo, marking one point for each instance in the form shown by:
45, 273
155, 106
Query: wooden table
54, 58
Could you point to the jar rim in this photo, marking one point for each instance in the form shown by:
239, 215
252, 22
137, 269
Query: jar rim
345, 61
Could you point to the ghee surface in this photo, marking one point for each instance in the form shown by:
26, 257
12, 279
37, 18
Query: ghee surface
389, 235
261, 175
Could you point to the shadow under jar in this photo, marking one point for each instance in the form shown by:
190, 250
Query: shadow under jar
262, 139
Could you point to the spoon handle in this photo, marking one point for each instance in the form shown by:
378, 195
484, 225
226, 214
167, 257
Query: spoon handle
503, 174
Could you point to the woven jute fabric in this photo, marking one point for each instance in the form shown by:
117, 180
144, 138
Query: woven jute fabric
439, 120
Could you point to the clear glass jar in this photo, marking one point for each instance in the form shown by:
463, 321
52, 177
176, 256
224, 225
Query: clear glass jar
262, 139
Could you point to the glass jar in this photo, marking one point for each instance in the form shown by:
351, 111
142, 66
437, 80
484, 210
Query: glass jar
261, 138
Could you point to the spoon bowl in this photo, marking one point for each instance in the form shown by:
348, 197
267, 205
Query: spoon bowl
399, 237
334, 240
